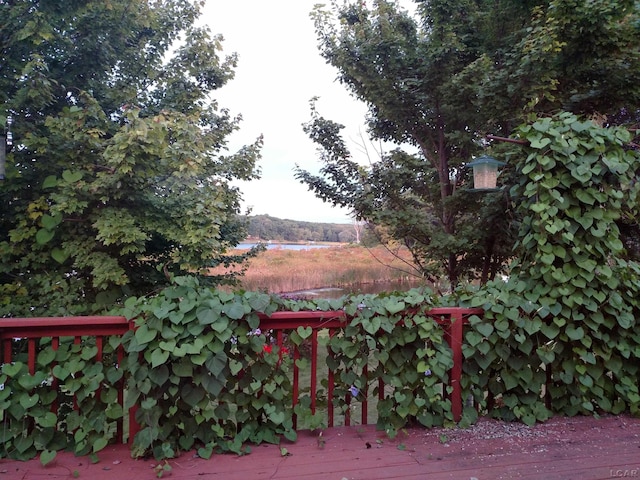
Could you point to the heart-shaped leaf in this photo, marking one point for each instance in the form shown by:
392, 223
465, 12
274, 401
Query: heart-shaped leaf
159, 357
168, 346
234, 311
60, 372
28, 401
400, 397
574, 333
50, 182
394, 307
549, 330
59, 255
43, 236
539, 142
99, 444
485, 329
71, 177
51, 221
277, 417
304, 332
235, 366
48, 420
46, 457
12, 369
205, 452
144, 335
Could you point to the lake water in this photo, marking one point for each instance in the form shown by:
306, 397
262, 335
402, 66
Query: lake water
285, 246
359, 288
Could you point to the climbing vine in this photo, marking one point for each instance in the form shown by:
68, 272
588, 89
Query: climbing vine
205, 374
561, 335
83, 392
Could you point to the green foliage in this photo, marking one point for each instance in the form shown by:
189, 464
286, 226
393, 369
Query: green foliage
561, 336
437, 84
120, 175
405, 354
82, 390
204, 376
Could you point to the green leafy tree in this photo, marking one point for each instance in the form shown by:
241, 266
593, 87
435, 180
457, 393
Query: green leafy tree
439, 84
119, 178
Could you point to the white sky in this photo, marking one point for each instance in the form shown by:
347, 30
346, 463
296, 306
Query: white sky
279, 70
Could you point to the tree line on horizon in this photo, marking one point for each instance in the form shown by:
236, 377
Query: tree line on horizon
266, 227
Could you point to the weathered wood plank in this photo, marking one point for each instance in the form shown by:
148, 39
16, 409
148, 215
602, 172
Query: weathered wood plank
561, 449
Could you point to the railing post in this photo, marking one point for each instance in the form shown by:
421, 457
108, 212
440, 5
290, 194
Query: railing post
453, 320
457, 329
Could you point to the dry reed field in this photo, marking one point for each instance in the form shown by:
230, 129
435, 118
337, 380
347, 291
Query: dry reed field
283, 270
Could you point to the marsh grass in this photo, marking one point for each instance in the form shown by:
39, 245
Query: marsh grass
282, 270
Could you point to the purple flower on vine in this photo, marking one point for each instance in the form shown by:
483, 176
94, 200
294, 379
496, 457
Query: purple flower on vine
427, 372
354, 390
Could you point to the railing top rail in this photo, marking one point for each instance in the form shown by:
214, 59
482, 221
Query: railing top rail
307, 314
306, 318
34, 327
450, 310
85, 320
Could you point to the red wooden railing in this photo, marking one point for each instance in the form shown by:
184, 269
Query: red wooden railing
452, 320
32, 330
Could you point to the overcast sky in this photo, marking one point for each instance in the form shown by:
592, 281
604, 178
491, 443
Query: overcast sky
279, 71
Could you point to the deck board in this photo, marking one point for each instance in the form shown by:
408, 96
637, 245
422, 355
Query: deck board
584, 448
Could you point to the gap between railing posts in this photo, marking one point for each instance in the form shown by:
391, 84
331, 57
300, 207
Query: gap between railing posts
451, 319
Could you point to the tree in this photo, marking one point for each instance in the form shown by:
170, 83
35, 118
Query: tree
120, 174
440, 84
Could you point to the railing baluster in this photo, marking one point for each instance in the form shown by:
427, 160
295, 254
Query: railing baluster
330, 385
55, 345
31, 355
365, 394
99, 345
347, 413
296, 386
314, 369
120, 388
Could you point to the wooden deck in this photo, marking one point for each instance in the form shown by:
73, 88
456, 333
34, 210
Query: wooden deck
562, 448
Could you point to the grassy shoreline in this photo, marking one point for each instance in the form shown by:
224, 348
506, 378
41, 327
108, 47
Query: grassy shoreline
282, 270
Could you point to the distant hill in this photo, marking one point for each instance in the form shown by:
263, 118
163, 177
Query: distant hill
266, 227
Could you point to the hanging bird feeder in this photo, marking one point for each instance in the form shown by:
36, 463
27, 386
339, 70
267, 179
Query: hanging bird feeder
485, 173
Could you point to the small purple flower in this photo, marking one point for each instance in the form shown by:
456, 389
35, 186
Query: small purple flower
257, 331
354, 390
427, 372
